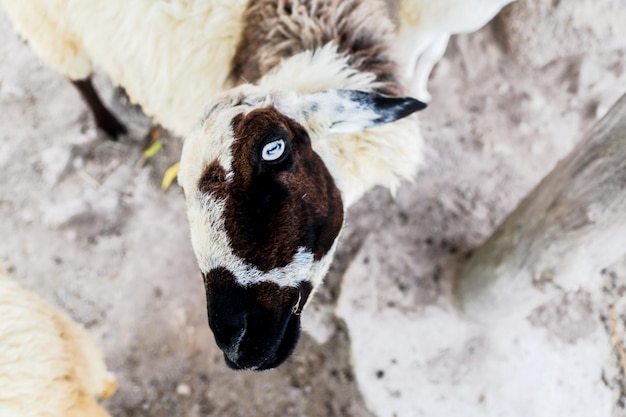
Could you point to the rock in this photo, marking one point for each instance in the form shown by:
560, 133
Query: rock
536, 32
183, 390
430, 361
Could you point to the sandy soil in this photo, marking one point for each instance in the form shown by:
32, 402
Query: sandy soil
85, 225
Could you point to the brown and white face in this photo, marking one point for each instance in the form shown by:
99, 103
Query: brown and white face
265, 211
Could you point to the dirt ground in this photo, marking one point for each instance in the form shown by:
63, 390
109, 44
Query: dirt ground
84, 223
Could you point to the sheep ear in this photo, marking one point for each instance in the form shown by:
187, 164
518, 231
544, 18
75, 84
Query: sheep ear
348, 111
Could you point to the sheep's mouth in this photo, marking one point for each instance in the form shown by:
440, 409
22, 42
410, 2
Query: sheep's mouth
256, 326
281, 351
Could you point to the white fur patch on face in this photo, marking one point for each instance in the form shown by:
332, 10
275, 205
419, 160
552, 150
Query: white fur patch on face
212, 140
296, 272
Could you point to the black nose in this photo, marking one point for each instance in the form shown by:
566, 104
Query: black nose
229, 332
255, 326
227, 310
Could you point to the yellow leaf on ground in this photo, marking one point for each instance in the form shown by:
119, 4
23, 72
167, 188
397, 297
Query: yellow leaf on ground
153, 149
170, 175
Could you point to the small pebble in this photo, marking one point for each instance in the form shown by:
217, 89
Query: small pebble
183, 389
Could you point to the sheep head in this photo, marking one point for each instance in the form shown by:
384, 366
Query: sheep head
265, 211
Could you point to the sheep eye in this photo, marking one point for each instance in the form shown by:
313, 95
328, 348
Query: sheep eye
273, 150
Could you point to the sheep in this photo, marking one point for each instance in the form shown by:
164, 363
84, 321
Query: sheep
273, 165
49, 365
166, 82
424, 30
286, 109
171, 57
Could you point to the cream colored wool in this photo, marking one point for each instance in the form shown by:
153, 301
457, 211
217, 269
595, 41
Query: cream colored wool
172, 77
49, 365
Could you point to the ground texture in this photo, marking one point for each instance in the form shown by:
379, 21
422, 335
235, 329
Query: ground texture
84, 223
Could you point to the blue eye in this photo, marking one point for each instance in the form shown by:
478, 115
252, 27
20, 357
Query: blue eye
273, 150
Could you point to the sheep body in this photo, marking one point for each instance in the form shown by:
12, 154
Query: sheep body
49, 365
170, 56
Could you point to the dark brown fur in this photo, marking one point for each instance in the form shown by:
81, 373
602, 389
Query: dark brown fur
276, 29
213, 180
273, 209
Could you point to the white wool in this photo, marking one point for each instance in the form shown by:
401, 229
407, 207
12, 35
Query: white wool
49, 365
172, 77
322, 69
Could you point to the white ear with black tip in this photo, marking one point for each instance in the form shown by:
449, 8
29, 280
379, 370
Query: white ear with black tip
349, 111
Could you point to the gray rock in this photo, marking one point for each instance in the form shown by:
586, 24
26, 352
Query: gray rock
428, 360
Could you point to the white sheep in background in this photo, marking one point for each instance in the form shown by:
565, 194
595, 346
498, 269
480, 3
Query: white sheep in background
425, 28
300, 98
49, 365
171, 57
171, 68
